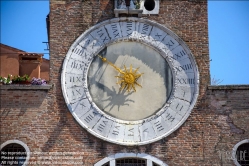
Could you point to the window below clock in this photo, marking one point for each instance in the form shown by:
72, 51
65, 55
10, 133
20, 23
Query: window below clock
130, 159
241, 153
14, 152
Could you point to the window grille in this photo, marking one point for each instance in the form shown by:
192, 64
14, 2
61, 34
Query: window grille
154, 164
15, 159
130, 162
242, 154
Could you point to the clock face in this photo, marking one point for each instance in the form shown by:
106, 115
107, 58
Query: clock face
155, 81
130, 81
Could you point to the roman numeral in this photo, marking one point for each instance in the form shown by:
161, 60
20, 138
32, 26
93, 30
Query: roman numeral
157, 35
78, 51
76, 79
131, 132
71, 79
186, 80
75, 65
170, 43
170, 117
179, 107
102, 126
100, 33
145, 28
105, 39
129, 26
184, 67
86, 55
93, 44
90, 117
179, 55
187, 66
115, 130
159, 126
145, 130
82, 105
74, 92
115, 30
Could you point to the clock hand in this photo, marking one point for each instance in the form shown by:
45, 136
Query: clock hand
115, 67
128, 79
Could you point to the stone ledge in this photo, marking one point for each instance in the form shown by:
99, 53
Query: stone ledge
26, 87
126, 11
228, 87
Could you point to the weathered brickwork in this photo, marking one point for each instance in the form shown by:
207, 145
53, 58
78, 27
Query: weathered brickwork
212, 129
40, 118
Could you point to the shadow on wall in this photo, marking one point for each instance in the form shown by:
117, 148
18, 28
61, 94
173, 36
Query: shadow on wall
62, 128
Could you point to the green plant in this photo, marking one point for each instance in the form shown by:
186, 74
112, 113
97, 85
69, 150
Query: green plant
5, 80
137, 4
20, 78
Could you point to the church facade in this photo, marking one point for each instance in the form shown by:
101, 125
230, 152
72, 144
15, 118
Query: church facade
68, 121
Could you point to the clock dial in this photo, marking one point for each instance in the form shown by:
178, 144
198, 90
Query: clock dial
167, 72
156, 81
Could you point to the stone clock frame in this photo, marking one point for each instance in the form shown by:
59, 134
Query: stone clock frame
172, 114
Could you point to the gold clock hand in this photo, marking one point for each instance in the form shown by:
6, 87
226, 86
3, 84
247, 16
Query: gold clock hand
128, 79
115, 67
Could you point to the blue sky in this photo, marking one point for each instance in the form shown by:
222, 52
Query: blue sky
23, 26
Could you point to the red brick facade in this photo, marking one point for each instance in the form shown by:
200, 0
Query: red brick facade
43, 122
40, 118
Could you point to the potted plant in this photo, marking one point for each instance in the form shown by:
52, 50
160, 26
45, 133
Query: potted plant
38, 81
21, 79
4, 80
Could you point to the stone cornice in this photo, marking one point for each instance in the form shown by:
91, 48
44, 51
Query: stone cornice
25, 87
228, 87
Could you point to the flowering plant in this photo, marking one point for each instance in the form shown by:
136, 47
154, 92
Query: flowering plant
20, 78
38, 81
137, 4
5, 80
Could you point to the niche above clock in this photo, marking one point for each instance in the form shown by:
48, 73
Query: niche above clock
134, 7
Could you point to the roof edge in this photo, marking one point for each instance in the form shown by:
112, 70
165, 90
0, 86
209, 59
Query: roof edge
229, 87
11, 48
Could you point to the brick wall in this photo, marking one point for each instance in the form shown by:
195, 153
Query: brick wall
42, 121
212, 130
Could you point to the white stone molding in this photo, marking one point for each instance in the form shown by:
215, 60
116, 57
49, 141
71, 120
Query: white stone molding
112, 159
20, 143
154, 11
235, 149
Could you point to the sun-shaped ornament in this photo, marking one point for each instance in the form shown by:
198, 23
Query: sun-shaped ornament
128, 78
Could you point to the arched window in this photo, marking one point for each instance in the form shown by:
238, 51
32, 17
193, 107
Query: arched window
130, 159
14, 152
240, 153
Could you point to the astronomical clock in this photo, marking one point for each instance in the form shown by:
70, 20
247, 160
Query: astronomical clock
130, 81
